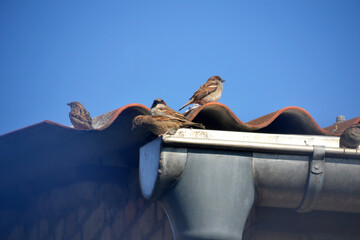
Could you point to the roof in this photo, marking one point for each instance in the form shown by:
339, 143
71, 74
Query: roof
288, 120
54, 148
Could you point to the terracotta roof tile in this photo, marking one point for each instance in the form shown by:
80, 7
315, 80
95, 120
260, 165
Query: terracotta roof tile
338, 128
289, 120
217, 116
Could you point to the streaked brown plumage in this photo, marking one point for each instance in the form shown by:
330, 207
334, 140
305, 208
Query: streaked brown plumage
159, 125
79, 117
209, 92
160, 108
350, 138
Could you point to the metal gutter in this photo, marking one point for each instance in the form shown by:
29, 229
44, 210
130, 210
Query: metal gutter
209, 180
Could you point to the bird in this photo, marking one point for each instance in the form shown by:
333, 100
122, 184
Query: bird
160, 125
208, 92
79, 116
160, 108
350, 138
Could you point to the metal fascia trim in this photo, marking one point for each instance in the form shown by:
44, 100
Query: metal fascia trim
315, 180
258, 147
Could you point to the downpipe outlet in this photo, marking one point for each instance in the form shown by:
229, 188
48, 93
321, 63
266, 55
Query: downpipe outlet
206, 194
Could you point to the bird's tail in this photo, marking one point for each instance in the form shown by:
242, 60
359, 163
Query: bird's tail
188, 103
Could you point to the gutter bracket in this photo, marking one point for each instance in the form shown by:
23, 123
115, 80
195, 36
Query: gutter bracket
315, 180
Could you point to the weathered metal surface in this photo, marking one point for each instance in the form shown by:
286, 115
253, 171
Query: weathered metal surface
281, 166
213, 196
159, 167
287, 224
230, 136
282, 182
149, 166
315, 180
280, 179
258, 142
341, 190
216, 174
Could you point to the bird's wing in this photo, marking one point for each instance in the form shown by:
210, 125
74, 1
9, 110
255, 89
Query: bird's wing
161, 118
83, 116
186, 123
171, 112
205, 90
86, 114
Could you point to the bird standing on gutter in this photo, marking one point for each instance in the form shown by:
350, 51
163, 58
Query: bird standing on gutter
350, 138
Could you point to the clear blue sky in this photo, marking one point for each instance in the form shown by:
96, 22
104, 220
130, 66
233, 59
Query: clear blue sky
272, 54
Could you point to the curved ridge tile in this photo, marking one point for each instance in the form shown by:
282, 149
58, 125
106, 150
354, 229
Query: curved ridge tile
53, 141
288, 120
100, 122
217, 116
105, 120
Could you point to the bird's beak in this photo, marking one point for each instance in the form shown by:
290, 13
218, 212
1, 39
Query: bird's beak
222, 80
68, 104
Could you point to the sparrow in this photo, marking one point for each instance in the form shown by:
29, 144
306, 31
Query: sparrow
79, 117
160, 108
350, 138
159, 125
208, 92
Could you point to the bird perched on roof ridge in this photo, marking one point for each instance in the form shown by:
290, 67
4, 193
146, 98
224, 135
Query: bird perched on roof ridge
160, 108
209, 92
159, 125
350, 138
79, 116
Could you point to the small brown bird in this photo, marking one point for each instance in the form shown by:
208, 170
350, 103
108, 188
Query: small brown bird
159, 125
79, 117
160, 108
350, 138
208, 92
